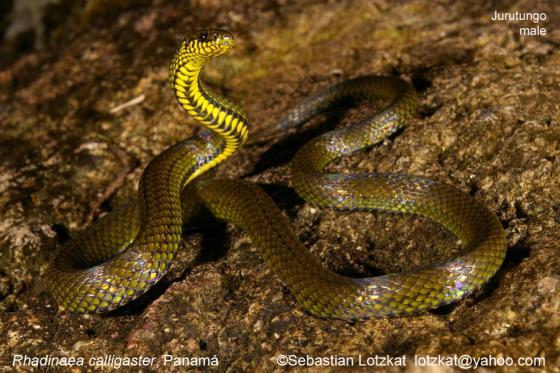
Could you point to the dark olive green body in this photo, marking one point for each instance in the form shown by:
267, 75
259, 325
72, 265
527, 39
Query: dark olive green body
124, 254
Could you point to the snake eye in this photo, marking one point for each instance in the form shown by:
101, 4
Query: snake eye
203, 37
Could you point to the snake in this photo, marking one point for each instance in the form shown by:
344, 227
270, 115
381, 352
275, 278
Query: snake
124, 253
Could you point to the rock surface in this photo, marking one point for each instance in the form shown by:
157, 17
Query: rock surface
488, 123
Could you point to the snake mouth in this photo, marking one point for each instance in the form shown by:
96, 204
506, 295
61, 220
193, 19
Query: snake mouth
223, 38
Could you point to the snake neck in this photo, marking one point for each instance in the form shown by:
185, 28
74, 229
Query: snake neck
214, 112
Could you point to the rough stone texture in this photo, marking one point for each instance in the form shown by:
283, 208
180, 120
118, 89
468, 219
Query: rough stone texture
488, 123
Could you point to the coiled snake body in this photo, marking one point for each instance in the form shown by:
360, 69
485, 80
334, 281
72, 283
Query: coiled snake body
125, 253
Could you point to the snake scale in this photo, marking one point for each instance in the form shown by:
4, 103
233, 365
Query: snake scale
126, 252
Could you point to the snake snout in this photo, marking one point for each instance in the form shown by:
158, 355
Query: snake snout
223, 37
